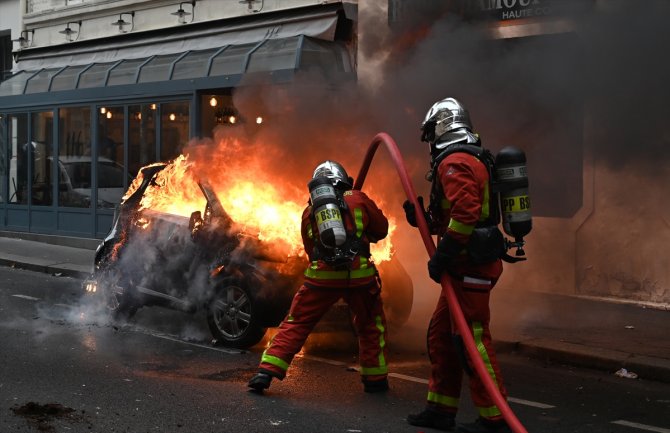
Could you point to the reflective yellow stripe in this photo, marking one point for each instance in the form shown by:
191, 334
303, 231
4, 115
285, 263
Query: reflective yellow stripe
485, 205
489, 412
309, 232
477, 331
339, 275
274, 361
461, 228
445, 400
373, 371
358, 216
382, 342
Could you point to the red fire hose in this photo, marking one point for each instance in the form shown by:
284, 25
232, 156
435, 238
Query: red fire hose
454, 307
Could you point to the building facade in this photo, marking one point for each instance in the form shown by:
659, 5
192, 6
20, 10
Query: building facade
101, 88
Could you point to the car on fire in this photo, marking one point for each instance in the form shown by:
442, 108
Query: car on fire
207, 263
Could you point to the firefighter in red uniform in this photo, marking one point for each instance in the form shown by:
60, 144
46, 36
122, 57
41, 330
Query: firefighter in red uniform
337, 270
462, 212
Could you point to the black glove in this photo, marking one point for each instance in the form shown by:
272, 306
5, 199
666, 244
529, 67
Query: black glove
448, 249
410, 211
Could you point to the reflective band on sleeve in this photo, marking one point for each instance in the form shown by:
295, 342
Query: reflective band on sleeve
458, 227
273, 360
309, 232
472, 280
444, 400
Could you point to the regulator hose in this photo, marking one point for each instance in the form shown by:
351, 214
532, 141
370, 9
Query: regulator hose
456, 312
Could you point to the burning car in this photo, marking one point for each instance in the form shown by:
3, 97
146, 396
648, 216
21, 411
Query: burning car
207, 262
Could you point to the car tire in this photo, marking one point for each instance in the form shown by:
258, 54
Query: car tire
232, 316
120, 304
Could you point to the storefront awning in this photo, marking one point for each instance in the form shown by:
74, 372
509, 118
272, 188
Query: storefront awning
314, 23
269, 55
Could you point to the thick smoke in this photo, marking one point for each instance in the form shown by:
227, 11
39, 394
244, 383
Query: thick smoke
599, 90
594, 91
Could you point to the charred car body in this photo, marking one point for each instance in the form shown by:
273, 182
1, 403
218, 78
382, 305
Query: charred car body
207, 262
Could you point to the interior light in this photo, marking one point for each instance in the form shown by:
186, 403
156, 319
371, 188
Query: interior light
109, 114
259, 120
172, 116
153, 106
138, 116
232, 119
213, 102
103, 110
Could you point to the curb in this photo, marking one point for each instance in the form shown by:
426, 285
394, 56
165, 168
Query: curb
561, 352
60, 269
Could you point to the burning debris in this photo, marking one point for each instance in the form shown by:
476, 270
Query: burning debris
41, 416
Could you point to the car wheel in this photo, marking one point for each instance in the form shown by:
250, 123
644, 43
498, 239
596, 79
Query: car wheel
232, 318
119, 303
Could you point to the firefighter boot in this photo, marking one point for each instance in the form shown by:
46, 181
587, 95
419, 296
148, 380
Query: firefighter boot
372, 386
483, 425
434, 419
260, 382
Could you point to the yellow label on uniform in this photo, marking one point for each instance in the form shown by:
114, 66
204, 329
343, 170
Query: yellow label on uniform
328, 214
515, 204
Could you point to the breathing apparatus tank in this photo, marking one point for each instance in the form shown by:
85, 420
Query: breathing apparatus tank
327, 212
512, 179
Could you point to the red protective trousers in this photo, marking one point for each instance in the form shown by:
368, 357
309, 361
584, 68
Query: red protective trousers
444, 388
309, 306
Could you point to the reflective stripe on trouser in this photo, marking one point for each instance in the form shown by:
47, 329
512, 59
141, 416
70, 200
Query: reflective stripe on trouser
308, 307
446, 371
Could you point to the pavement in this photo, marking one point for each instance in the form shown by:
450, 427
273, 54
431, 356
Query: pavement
626, 339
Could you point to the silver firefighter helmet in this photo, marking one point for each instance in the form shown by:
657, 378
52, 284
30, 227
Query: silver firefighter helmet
335, 172
444, 116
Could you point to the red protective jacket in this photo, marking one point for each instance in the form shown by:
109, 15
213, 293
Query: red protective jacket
466, 200
363, 219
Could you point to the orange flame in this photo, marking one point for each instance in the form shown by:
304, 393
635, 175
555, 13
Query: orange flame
262, 205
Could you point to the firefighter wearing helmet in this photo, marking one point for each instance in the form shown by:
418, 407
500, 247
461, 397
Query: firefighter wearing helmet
463, 213
337, 228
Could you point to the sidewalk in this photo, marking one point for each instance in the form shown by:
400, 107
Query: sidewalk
593, 333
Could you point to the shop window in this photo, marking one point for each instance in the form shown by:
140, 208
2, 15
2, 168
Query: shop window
158, 69
110, 166
42, 157
193, 65
174, 129
231, 61
74, 157
141, 136
18, 152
